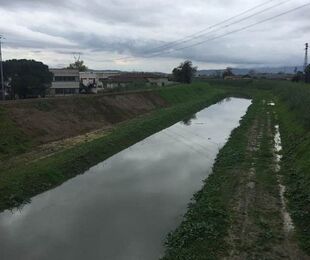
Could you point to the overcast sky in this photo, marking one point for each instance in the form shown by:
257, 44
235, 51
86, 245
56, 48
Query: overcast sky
106, 31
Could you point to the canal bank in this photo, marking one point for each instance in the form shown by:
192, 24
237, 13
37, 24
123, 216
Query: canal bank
292, 108
123, 207
24, 180
238, 214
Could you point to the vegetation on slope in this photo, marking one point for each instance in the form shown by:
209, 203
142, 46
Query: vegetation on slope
24, 181
12, 139
296, 169
293, 109
47, 120
294, 117
210, 217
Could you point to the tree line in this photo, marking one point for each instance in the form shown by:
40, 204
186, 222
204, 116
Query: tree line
26, 78
302, 76
30, 78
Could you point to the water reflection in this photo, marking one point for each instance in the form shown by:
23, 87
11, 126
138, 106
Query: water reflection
188, 121
124, 207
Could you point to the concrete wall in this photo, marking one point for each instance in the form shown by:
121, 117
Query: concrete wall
160, 82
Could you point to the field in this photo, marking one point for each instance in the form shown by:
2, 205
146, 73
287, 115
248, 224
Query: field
242, 210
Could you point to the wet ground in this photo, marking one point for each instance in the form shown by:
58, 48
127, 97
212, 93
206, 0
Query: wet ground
261, 225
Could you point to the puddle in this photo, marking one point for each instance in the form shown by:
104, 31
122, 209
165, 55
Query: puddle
288, 222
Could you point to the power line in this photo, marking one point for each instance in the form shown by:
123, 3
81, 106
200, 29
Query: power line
203, 33
225, 34
194, 134
185, 138
237, 30
193, 148
200, 136
219, 36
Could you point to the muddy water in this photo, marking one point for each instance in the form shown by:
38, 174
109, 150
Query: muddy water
124, 207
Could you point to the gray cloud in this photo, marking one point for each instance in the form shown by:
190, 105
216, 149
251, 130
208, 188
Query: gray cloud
105, 30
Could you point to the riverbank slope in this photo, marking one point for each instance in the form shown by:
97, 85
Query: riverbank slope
27, 176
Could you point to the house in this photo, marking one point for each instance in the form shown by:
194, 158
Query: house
159, 81
124, 81
143, 79
65, 82
97, 79
7, 89
233, 77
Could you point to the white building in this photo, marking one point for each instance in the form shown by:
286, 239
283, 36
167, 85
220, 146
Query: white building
65, 82
96, 78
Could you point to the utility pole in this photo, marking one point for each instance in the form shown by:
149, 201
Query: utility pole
306, 57
1, 71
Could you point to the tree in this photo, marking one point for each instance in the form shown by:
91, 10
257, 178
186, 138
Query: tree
252, 73
217, 74
307, 74
299, 76
28, 78
188, 120
79, 65
228, 72
87, 89
185, 72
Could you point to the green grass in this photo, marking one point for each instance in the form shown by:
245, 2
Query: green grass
201, 234
12, 140
293, 109
296, 170
267, 216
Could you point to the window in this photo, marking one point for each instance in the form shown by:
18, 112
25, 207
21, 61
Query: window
65, 91
59, 91
65, 78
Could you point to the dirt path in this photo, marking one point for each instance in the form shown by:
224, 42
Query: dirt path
47, 150
260, 227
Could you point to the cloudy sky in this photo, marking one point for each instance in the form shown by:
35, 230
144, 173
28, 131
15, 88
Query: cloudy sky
135, 34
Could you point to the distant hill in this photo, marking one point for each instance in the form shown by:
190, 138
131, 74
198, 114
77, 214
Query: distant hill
107, 71
121, 72
242, 71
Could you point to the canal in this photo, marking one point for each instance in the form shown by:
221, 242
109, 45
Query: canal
124, 207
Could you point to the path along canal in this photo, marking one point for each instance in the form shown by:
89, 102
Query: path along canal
124, 207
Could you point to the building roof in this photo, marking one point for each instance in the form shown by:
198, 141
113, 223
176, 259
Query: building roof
64, 69
134, 77
124, 79
65, 72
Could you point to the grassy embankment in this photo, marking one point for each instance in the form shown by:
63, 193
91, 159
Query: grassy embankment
294, 118
293, 109
209, 220
22, 182
12, 140
30, 124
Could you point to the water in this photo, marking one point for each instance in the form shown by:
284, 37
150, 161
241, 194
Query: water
124, 207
